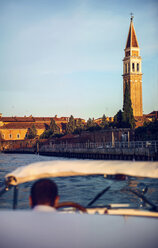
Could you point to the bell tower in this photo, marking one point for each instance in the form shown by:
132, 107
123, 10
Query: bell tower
132, 73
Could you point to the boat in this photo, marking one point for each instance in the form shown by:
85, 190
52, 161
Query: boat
113, 225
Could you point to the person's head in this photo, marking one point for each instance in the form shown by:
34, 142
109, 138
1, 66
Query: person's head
44, 192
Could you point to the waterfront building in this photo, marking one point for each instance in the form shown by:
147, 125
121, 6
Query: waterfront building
132, 71
15, 128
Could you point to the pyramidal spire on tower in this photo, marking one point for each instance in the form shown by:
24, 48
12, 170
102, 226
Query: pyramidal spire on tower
132, 71
132, 38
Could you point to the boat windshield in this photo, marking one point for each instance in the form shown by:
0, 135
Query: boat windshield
91, 184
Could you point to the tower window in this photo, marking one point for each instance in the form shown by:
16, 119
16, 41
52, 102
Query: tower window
128, 67
10, 136
18, 135
133, 68
137, 67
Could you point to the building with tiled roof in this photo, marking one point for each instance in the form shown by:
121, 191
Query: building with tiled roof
18, 130
99, 120
15, 128
152, 116
140, 120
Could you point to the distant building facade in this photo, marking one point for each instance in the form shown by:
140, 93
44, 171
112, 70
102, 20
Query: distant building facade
15, 128
100, 137
132, 71
153, 116
108, 119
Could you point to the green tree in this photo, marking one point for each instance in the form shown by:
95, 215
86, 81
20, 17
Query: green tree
92, 126
79, 126
50, 131
79, 123
90, 123
128, 117
70, 127
31, 132
118, 119
54, 127
104, 123
149, 131
46, 134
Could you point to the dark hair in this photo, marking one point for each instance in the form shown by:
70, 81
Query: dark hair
44, 192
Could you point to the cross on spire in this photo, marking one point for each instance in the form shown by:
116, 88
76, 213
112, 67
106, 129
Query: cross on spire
132, 38
132, 16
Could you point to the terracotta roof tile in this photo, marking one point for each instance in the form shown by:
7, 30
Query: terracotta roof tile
31, 119
17, 119
24, 125
69, 136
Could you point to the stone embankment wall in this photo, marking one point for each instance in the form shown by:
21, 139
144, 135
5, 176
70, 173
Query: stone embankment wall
18, 146
145, 150
120, 150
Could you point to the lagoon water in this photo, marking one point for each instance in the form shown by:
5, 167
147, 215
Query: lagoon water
78, 189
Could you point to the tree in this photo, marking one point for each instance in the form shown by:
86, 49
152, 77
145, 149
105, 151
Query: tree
70, 127
51, 130
104, 123
90, 123
79, 126
46, 134
118, 119
31, 132
92, 126
128, 117
79, 123
54, 127
149, 131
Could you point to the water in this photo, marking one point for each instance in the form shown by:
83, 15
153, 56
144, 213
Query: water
78, 189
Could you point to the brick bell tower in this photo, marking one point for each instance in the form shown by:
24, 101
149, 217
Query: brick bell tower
132, 73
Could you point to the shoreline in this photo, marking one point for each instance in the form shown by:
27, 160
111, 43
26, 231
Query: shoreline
87, 155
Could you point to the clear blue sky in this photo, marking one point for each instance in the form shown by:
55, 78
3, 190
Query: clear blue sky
65, 56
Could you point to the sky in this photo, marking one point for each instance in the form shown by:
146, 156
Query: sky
64, 57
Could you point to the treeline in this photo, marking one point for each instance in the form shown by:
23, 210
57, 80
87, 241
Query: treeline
123, 119
149, 131
50, 131
74, 126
